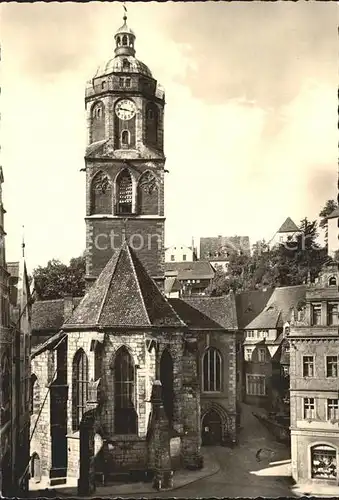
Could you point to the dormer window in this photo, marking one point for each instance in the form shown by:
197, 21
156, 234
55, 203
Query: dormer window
126, 64
103, 84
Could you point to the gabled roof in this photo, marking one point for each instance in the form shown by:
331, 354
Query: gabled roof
193, 318
220, 310
279, 307
49, 314
334, 214
197, 269
124, 295
288, 226
172, 284
250, 303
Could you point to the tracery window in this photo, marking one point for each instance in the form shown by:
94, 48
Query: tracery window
211, 370
80, 387
125, 193
125, 417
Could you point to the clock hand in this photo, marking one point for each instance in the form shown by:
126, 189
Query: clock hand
125, 109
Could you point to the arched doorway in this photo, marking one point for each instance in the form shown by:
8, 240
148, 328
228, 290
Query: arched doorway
211, 428
36, 468
166, 378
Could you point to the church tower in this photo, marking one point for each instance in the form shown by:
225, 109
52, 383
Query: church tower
125, 161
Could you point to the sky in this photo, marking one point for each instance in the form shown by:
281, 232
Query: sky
250, 119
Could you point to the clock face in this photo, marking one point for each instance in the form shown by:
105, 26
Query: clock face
125, 109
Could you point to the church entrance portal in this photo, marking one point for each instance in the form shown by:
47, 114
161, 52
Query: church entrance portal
211, 428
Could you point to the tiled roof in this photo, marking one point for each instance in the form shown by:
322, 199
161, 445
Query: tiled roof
335, 213
250, 304
279, 307
49, 343
124, 295
49, 314
193, 317
197, 269
288, 226
221, 310
172, 284
223, 245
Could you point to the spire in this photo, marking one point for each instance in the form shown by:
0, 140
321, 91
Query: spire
23, 241
124, 38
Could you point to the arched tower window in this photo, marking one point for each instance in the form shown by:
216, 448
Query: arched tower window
125, 417
332, 281
101, 194
166, 378
98, 121
125, 138
148, 201
79, 387
124, 193
5, 389
152, 122
124, 40
211, 381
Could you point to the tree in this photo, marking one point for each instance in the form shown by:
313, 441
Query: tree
288, 264
329, 207
56, 280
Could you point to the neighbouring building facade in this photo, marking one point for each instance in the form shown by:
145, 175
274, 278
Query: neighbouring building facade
217, 250
191, 278
314, 382
15, 370
181, 253
6, 346
266, 363
287, 232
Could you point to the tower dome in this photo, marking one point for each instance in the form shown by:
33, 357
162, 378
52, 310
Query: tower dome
124, 60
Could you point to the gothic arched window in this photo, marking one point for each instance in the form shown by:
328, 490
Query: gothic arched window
79, 387
166, 378
125, 417
124, 193
5, 389
98, 122
211, 380
148, 203
101, 194
152, 122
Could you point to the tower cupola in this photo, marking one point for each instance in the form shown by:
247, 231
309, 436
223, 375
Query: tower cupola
124, 40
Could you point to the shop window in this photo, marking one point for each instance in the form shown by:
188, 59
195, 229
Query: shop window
324, 462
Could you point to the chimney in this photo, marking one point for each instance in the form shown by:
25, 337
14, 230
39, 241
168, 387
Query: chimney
68, 306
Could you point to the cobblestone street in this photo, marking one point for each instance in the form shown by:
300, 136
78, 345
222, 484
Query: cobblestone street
243, 471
